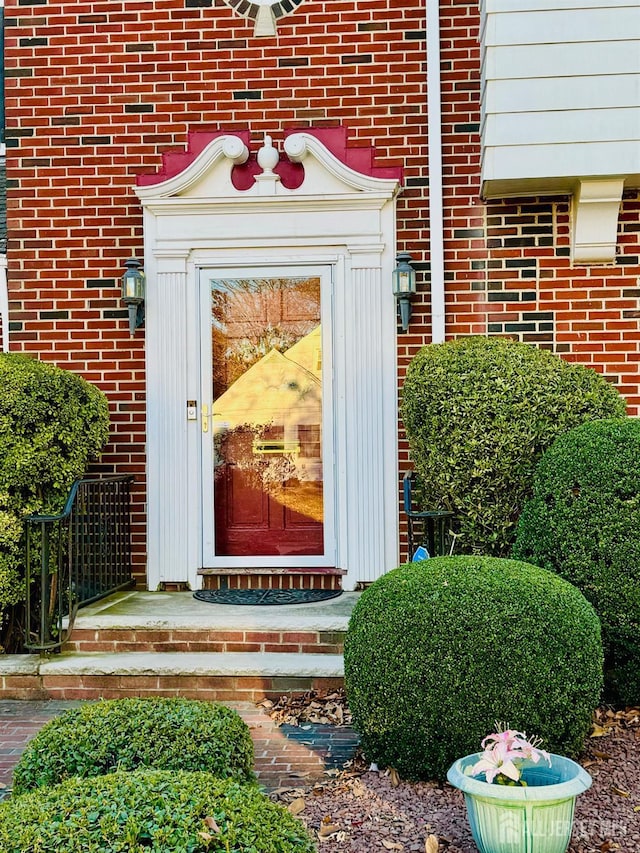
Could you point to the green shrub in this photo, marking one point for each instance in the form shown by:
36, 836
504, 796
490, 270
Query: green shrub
583, 522
437, 651
150, 810
11, 559
52, 423
478, 413
166, 734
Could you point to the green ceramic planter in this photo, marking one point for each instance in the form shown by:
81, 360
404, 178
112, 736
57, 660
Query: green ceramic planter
535, 819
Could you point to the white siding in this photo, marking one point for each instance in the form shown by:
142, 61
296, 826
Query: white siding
560, 93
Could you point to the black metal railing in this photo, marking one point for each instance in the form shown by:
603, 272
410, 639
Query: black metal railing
76, 557
429, 528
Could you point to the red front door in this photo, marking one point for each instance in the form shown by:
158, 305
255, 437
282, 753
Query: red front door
268, 492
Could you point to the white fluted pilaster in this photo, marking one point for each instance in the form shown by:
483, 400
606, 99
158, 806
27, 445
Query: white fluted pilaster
367, 466
167, 448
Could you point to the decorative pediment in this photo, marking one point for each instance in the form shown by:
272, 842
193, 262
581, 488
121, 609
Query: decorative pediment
218, 165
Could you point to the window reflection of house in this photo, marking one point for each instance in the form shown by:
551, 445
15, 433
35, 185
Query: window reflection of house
279, 399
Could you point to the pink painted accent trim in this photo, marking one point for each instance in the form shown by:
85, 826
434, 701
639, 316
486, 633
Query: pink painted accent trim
291, 174
176, 161
359, 158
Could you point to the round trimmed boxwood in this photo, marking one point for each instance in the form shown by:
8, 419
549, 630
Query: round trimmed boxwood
437, 651
583, 522
478, 413
150, 810
166, 734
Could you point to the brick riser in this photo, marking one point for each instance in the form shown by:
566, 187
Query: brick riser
205, 640
211, 688
272, 581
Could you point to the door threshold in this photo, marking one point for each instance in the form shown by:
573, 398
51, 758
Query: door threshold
323, 577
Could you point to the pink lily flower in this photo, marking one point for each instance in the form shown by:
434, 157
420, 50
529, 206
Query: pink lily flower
495, 761
504, 751
502, 737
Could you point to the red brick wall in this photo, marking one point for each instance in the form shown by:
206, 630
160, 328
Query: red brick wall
96, 91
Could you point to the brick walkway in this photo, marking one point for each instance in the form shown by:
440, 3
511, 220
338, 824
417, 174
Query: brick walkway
285, 756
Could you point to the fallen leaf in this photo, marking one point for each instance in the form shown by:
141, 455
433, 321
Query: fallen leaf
392, 845
297, 806
328, 829
357, 788
310, 707
210, 822
599, 731
205, 836
431, 845
620, 791
599, 754
394, 777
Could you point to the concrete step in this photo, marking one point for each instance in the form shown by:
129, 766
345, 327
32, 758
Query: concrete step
168, 643
226, 677
205, 640
176, 622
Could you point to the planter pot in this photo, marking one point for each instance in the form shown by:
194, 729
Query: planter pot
535, 819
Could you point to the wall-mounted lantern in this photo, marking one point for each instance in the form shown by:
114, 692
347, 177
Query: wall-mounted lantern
133, 292
404, 286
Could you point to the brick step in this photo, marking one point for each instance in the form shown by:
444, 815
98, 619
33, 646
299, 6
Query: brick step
228, 677
251, 578
218, 640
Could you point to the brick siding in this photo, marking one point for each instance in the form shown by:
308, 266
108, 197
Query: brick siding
97, 91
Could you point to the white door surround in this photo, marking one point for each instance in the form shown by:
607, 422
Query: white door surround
338, 217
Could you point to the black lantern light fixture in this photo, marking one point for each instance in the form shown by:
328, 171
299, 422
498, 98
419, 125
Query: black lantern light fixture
133, 292
404, 286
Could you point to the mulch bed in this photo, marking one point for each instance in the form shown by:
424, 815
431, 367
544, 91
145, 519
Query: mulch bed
356, 810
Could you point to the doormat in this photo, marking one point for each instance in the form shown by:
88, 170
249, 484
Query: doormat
266, 596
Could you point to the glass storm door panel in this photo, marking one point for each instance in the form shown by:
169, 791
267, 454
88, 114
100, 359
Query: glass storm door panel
267, 410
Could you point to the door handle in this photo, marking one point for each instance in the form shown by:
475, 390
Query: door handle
205, 418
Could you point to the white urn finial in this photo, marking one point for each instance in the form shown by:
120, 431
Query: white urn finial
268, 156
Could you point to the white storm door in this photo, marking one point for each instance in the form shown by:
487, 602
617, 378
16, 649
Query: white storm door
266, 417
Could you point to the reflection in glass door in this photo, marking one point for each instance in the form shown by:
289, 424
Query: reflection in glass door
266, 417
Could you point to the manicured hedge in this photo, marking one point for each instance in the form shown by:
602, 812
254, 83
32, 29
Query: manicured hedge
478, 413
583, 522
167, 734
149, 810
437, 651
